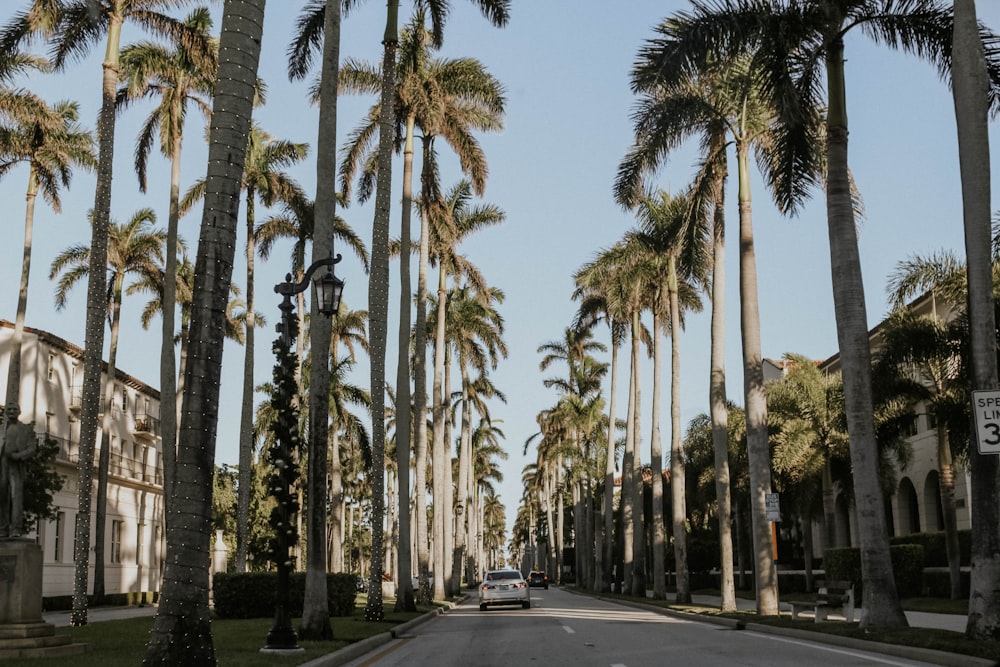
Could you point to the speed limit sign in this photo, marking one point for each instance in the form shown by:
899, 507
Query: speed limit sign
986, 411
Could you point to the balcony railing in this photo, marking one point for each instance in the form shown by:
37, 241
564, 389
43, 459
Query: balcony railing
76, 397
146, 425
69, 452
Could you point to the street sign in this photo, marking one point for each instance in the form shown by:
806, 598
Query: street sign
986, 412
773, 511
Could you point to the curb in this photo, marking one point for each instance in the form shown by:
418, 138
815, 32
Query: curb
897, 650
358, 649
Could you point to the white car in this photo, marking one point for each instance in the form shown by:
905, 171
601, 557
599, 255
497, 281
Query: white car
504, 587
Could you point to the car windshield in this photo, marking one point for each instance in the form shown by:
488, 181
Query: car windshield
499, 576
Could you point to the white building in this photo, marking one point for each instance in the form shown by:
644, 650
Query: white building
915, 507
50, 399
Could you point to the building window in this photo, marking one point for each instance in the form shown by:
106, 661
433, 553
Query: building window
59, 537
116, 541
52, 367
140, 544
124, 400
48, 422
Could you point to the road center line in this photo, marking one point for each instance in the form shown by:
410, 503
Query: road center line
569, 629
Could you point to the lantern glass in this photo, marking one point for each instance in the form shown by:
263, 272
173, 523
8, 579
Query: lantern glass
329, 289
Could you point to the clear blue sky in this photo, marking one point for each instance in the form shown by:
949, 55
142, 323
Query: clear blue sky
566, 68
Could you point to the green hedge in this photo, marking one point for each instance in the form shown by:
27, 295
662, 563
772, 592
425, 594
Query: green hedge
251, 594
935, 552
844, 564
65, 602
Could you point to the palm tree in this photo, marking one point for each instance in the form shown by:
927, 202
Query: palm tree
132, 249
444, 97
73, 28
973, 96
176, 76
264, 178
51, 154
674, 263
316, 619
598, 302
181, 632
496, 11
474, 329
448, 227
718, 98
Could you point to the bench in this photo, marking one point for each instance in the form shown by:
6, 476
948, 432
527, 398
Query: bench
830, 596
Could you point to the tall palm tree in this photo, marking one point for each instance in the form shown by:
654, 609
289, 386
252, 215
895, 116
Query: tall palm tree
315, 618
73, 27
181, 632
674, 263
51, 153
598, 301
177, 76
264, 179
795, 44
448, 227
719, 98
443, 97
973, 97
496, 11
132, 249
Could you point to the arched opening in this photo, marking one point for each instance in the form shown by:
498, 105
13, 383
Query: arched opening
909, 508
933, 516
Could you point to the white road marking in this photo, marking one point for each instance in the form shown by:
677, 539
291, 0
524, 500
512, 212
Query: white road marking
569, 629
867, 656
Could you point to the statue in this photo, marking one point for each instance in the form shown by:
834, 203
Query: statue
17, 444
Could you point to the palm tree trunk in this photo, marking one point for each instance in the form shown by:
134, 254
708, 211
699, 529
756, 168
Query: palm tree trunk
378, 305
609, 474
719, 409
315, 623
656, 464
881, 608
97, 310
168, 361
246, 406
627, 501
970, 82
104, 460
638, 486
948, 513
14, 366
424, 593
678, 482
404, 566
181, 632
464, 474
439, 451
756, 406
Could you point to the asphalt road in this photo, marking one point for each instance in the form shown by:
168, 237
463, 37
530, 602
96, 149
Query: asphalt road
566, 630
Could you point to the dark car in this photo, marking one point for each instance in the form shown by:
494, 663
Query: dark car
538, 579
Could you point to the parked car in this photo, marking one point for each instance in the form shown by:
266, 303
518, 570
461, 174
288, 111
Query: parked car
504, 587
538, 579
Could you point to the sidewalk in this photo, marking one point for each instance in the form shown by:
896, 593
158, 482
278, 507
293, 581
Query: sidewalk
60, 619
917, 619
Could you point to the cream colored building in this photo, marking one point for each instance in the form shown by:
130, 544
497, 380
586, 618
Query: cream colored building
916, 505
50, 398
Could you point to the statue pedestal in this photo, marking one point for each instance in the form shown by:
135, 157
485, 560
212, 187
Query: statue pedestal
20, 581
23, 633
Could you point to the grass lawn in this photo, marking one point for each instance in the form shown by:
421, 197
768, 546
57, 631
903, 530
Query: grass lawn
237, 641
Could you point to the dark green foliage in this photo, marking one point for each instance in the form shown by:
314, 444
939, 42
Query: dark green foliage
41, 483
935, 554
937, 583
225, 485
251, 595
907, 566
131, 599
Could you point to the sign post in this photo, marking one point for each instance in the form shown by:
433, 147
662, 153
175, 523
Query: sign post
986, 413
773, 514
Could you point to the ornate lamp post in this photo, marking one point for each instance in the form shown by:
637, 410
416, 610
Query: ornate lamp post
282, 637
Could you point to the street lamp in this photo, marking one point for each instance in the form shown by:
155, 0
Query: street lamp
329, 289
282, 638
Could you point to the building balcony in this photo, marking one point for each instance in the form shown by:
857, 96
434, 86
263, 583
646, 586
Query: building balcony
146, 427
76, 397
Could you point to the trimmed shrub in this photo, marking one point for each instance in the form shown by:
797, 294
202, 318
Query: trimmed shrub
935, 552
251, 594
844, 564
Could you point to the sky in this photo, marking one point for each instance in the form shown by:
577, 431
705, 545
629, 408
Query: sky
565, 66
